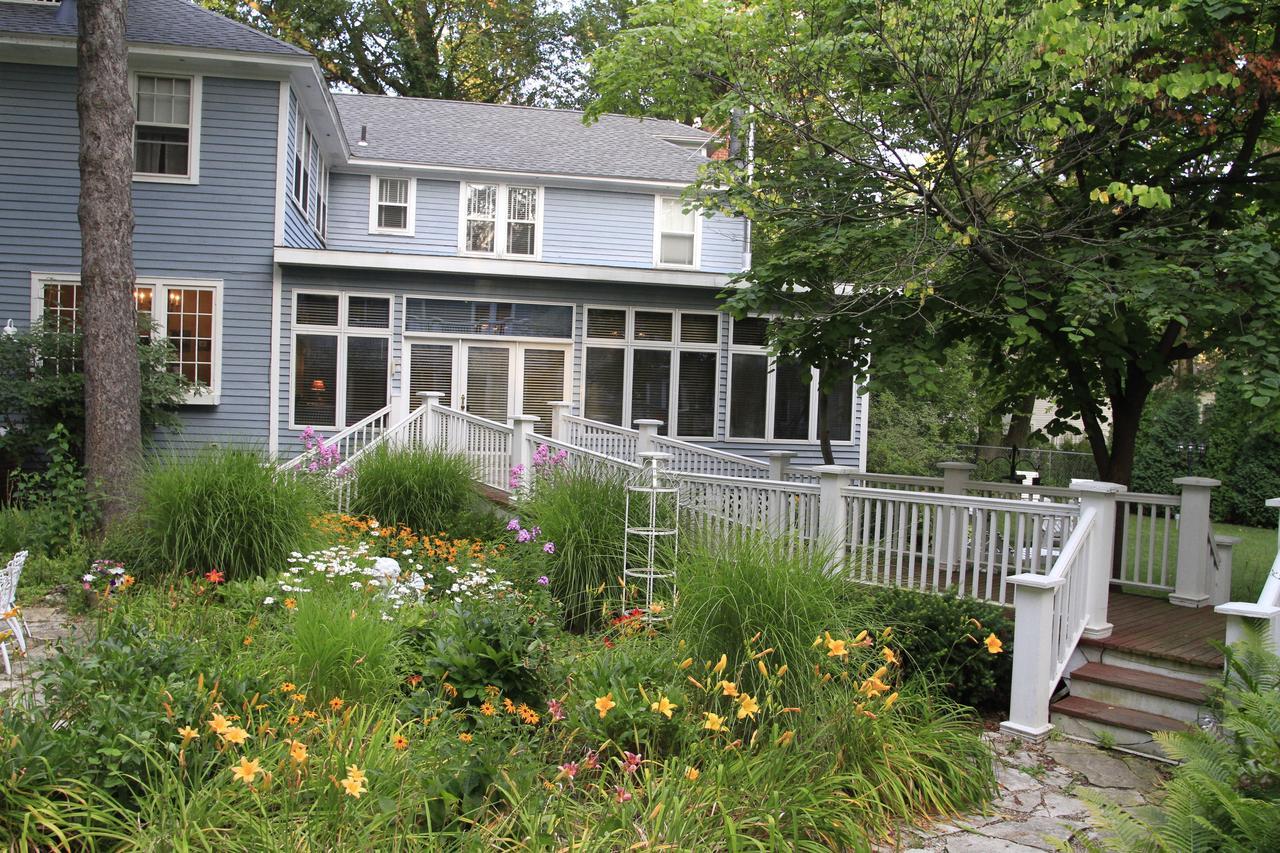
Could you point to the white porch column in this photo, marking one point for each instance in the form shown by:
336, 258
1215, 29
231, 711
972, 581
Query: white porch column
521, 439
1192, 586
559, 409
1033, 656
832, 515
648, 428
955, 481
431, 418
1101, 498
1220, 585
779, 463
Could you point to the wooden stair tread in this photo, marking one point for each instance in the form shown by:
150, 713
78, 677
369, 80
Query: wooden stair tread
1116, 715
1152, 683
1195, 653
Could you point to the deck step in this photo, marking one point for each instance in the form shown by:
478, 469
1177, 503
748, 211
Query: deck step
1115, 715
1179, 689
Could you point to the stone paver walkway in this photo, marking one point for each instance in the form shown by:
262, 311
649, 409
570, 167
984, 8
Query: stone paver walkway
1039, 807
48, 625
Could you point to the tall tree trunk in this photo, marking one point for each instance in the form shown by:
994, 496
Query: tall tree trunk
824, 427
112, 377
1020, 422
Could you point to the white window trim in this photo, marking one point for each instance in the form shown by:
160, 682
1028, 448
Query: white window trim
451, 336
410, 214
771, 376
210, 396
193, 143
342, 331
630, 343
657, 237
299, 137
500, 221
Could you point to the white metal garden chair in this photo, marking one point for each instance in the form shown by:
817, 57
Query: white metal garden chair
10, 617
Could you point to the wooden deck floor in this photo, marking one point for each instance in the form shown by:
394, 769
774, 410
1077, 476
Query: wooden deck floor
1155, 627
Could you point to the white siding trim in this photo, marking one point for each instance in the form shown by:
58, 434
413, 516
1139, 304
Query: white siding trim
273, 375
282, 162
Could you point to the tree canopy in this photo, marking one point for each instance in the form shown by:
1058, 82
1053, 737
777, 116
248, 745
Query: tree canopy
1086, 191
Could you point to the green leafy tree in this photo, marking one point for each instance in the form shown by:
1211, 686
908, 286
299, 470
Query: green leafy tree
1084, 191
467, 50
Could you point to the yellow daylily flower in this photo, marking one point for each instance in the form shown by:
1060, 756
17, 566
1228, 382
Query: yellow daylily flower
764, 670
298, 752
352, 787
782, 670
246, 771
994, 646
714, 722
664, 706
720, 664
728, 688
889, 657
787, 737
188, 734
686, 663
605, 703
692, 774
890, 699
836, 649
747, 706
235, 735
219, 724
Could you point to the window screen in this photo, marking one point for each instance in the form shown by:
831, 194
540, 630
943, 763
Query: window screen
699, 328
750, 332
522, 214
162, 134
791, 400
747, 395
840, 410
651, 386
469, 317
393, 204
653, 326
315, 309
606, 323
315, 371
696, 394
369, 312
604, 384
366, 377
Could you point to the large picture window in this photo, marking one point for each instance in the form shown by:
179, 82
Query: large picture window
341, 357
186, 313
165, 127
777, 399
501, 220
652, 364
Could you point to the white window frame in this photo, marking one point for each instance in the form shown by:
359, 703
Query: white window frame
500, 220
193, 128
771, 377
342, 331
375, 182
657, 236
208, 396
630, 344
299, 196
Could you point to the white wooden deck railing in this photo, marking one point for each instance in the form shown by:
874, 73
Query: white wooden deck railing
1148, 526
723, 507
349, 441
488, 444
608, 439
958, 544
1265, 612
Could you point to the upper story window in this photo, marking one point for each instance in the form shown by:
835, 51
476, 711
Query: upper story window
501, 220
676, 237
166, 128
391, 204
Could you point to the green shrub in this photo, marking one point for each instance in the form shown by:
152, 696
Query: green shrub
223, 509
339, 645
729, 592
1172, 417
583, 511
1225, 793
60, 509
479, 642
942, 638
427, 490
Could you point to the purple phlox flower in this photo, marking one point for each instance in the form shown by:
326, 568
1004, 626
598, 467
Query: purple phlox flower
560, 456
513, 524
524, 536
314, 466
549, 547
543, 581
536, 531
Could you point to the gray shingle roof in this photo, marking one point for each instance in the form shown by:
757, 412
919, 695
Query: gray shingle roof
517, 139
173, 22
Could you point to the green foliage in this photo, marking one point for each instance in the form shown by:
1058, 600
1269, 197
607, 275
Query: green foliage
479, 642
222, 509
1172, 418
905, 436
1244, 453
583, 511
339, 645
1225, 793
60, 507
427, 490
940, 641
41, 387
731, 591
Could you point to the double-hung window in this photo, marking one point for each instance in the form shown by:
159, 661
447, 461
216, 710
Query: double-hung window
677, 234
341, 357
652, 364
165, 129
391, 204
186, 313
501, 220
777, 399
310, 177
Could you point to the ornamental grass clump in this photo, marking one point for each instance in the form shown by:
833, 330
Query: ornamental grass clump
583, 511
425, 489
223, 509
340, 646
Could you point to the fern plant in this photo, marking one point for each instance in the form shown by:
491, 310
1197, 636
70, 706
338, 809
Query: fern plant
1225, 795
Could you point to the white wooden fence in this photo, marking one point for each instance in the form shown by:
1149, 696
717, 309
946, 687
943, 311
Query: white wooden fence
1050, 552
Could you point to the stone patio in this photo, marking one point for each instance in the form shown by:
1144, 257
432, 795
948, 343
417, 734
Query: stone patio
1039, 806
48, 626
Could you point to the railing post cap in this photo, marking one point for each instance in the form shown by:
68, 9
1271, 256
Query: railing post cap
1273, 503
431, 395
834, 469
1206, 482
647, 422
787, 453
1228, 541
560, 403
526, 419
1100, 487
1027, 580
957, 466
656, 454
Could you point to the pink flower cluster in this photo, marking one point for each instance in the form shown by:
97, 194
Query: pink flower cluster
529, 535
323, 457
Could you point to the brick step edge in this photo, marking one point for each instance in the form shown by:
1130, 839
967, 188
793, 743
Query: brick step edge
1139, 681
1116, 715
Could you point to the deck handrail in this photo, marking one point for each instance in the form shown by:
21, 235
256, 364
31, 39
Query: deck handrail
1046, 508
340, 438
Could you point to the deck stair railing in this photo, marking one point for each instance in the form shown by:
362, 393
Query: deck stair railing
348, 442
1263, 613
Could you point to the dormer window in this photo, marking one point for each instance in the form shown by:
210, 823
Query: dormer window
391, 204
501, 220
676, 240
165, 127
